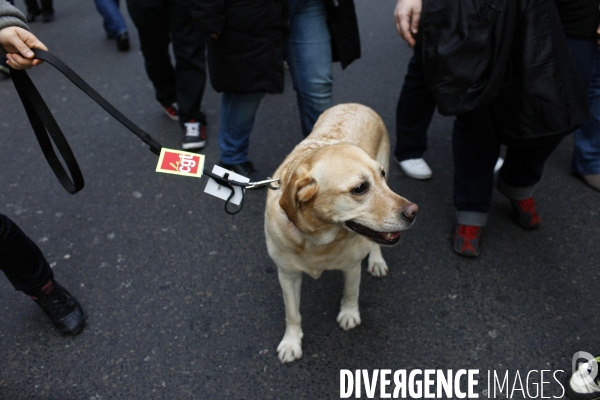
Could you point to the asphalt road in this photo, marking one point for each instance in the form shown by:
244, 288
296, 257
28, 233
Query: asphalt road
183, 301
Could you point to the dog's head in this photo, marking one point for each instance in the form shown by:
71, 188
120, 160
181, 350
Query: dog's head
341, 185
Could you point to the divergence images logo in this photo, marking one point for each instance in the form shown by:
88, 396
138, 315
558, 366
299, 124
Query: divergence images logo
180, 163
464, 383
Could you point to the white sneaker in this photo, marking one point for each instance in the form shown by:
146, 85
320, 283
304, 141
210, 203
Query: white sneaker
416, 168
498, 164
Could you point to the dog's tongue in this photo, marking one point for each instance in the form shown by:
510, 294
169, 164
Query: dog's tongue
389, 235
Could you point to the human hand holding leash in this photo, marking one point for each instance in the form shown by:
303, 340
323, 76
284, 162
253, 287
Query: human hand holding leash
407, 15
18, 43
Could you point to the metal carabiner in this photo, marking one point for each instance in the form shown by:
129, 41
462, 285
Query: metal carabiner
267, 182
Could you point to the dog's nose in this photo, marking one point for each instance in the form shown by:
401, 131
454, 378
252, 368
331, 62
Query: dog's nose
410, 212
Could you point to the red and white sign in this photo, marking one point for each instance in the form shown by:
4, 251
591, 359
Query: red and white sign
179, 162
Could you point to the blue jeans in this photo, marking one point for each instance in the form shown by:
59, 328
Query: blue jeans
114, 24
308, 53
586, 153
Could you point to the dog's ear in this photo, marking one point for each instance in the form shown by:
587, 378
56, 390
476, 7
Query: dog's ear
300, 190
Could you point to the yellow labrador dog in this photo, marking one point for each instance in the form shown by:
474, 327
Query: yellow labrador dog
334, 207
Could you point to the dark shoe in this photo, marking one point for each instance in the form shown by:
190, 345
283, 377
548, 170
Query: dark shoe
123, 41
580, 386
31, 16
62, 308
526, 214
47, 17
194, 135
466, 240
172, 110
245, 169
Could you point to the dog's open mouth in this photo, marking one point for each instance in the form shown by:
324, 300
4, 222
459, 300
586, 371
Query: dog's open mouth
384, 238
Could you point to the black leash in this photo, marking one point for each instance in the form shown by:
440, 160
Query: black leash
47, 131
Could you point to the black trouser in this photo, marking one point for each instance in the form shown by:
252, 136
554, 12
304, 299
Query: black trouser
34, 8
159, 22
20, 259
476, 148
414, 111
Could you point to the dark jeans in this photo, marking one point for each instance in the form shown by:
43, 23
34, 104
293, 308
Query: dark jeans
34, 8
476, 148
20, 259
414, 111
158, 22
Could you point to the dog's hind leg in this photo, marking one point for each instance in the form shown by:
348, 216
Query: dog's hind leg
349, 316
377, 266
290, 348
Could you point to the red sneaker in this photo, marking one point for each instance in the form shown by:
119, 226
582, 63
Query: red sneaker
172, 110
466, 240
526, 214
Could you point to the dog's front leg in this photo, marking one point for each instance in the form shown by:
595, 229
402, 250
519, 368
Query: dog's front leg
290, 348
349, 315
377, 265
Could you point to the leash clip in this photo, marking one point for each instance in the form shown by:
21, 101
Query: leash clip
267, 182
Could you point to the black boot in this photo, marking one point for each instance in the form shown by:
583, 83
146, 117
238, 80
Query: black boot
62, 308
123, 41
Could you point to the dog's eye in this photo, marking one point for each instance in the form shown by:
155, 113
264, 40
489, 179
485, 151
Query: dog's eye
383, 172
360, 189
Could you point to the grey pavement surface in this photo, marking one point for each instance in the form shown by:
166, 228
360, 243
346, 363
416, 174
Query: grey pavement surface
183, 301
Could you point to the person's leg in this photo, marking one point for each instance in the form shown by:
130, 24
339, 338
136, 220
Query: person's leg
22, 261
523, 168
237, 120
586, 152
475, 150
151, 19
414, 111
28, 271
47, 8
308, 53
33, 10
114, 23
190, 66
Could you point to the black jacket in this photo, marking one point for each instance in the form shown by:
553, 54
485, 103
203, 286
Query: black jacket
580, 18
248, 55
509, 56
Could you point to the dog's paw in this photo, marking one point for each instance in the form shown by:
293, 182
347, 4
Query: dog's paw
348, 319
378, 268
288, 351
